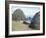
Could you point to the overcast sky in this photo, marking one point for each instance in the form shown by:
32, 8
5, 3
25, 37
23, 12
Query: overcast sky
28, 11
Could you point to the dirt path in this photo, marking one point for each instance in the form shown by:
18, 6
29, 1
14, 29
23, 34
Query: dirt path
17, 26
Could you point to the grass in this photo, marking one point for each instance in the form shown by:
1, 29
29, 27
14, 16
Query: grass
17, 26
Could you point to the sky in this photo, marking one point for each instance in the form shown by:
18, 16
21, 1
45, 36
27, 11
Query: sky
28, 11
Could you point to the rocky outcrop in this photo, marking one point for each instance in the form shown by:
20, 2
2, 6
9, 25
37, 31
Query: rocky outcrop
18, 15
35, 24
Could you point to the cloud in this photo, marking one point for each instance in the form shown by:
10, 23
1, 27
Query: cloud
28, 11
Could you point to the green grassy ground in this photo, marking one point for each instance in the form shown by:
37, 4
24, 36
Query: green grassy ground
17, 26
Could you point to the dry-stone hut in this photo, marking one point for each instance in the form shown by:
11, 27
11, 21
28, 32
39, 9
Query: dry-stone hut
18, 15
35, 24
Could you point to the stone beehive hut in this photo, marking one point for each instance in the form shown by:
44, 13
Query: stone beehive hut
18, 15
35, 24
